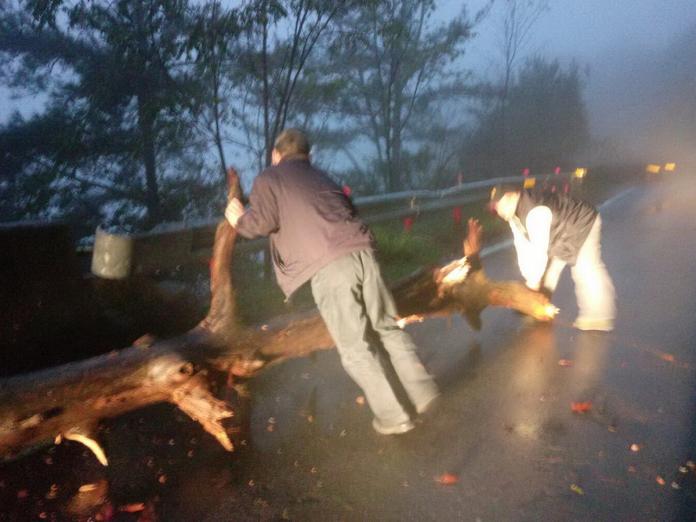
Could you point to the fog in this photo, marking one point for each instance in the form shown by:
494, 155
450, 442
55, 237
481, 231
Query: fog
631, 51
590, 83
639, 57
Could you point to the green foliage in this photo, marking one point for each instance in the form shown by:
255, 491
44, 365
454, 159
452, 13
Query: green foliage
400, 253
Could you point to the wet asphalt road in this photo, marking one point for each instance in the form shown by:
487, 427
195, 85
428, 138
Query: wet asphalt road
504, 431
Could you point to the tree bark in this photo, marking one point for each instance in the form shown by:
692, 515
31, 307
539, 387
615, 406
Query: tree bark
69, 400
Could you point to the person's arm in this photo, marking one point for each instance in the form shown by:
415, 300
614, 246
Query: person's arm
261, 216
532, 249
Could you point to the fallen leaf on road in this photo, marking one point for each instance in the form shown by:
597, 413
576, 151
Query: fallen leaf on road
577, 489
580, 407
635, 447
447, 479
667, 357
660, 480
675, 485
136, 507
52, 492
565, 363
360, 399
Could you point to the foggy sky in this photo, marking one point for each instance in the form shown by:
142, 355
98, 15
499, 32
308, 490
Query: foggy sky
619, 43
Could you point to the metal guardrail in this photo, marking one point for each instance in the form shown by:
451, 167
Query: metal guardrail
173, 245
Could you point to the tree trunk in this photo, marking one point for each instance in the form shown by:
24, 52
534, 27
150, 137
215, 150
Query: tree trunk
68, 401
147, 124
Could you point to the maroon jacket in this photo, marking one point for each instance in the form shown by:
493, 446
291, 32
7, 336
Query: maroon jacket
308, 219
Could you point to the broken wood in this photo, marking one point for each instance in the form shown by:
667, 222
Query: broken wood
68, 401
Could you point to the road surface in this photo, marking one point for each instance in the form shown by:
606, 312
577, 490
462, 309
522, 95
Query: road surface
504, 434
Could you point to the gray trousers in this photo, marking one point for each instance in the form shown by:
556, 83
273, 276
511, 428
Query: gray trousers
594, 289
353, 301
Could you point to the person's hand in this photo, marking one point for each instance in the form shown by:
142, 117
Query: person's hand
234, 211
472, 243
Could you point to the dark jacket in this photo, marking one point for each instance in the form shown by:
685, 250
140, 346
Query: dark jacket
571, 221
308, 219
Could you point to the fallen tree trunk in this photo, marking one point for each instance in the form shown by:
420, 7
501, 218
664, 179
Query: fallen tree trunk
69, 400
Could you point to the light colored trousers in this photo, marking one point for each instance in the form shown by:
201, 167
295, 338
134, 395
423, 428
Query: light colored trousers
593, 286
353, 301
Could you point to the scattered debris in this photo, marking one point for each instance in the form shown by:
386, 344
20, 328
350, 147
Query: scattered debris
360, 400
683, 469
565, 363
635, 448
660, 480
675, 485
52, 492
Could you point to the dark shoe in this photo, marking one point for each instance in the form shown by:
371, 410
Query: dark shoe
395, 429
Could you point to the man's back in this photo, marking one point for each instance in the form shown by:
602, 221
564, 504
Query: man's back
308, 218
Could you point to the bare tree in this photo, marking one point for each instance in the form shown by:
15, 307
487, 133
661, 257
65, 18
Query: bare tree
397, 63
519, 17
212, 36
274, 53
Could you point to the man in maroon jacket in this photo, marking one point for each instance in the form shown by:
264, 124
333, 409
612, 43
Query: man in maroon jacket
316, 236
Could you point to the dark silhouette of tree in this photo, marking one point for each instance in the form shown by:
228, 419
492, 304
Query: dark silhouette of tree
547, 121
119, 104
